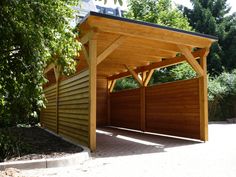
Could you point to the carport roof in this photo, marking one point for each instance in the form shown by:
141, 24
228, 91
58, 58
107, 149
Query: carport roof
125, 44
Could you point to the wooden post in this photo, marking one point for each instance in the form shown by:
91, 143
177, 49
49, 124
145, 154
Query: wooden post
92, 92
108, 108
57, 75
57, 104
203, 98
142, 109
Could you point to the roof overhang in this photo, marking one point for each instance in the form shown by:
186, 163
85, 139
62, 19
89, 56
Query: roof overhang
124, 42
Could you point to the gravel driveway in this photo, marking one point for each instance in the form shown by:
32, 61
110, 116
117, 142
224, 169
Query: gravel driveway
136, 154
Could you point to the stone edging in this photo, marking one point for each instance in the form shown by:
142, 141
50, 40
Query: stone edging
48, 163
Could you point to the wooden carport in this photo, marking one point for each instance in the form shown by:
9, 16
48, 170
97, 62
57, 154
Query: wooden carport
113, 48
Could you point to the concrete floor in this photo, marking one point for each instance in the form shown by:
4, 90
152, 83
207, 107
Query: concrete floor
122, 153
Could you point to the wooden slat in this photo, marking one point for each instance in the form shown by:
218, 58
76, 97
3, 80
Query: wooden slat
125, 109
169, 108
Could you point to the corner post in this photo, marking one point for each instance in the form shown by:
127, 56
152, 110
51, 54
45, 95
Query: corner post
57, 75
92, 93
203, 95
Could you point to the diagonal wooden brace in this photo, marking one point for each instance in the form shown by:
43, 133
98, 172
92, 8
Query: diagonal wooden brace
191, 60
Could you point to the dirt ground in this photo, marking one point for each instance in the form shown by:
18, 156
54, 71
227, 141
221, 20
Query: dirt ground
42, 144
154, 156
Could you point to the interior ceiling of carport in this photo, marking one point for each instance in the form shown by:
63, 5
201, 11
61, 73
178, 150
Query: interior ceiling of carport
136, 44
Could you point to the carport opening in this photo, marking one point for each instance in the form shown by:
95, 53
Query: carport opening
136, 115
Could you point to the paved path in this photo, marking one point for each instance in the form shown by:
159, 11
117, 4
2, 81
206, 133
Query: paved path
121, 153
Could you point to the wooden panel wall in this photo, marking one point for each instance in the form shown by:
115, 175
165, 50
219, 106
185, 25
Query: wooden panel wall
125, 109
48, 115
173, 108
73, 110
101, 101
72, 120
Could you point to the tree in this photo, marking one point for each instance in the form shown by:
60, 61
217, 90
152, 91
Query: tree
229, 45
33, 33
211, 17
161, 12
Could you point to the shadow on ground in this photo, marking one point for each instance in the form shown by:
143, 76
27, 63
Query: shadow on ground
112, 142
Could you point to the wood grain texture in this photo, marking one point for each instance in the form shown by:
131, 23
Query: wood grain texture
73, 109
170, 108
102, 90
48, 115
173, 108
125, 109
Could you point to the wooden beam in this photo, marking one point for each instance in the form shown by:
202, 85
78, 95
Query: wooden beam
111, 85
110, 49
135, 75
191, 60
85, 38
92, 93
162, 64
49, 67
145, 32
145, 51
144, 75
150, 44
121, 61
85, 53
203, 96
57, 76
146, 81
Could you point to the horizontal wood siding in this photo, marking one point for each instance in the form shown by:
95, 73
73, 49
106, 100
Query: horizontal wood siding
173, 108
48, 115
125, 109
101, 101
73, 108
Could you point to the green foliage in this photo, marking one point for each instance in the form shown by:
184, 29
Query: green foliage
33, 33
229, 46
221, 95
125, 83
161, 12
179, 72
182, 72
11, 146
211, 17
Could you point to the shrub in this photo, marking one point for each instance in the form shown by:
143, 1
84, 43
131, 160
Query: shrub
11, 145
222, 95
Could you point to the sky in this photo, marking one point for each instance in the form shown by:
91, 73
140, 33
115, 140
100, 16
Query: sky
187, 3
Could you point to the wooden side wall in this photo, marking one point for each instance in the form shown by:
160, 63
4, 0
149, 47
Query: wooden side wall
72, 120
125, 109
170, 108
173, 108
102, 93
48, 115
